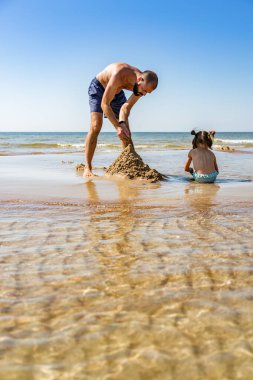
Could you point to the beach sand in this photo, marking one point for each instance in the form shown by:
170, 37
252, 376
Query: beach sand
119, 279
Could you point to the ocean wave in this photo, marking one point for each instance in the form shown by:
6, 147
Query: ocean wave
137, 146
37, 145
150, 146
71, 145
61, 147
103, 145
117, 145
49, 147
237, 141
100, 145
45, 145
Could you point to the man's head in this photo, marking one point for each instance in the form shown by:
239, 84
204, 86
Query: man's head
146, 83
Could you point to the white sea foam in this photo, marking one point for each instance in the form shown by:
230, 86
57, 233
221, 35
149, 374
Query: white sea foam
228, 141
71, 145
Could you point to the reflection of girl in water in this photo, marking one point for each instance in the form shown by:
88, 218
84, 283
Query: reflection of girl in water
204, 161
201, 198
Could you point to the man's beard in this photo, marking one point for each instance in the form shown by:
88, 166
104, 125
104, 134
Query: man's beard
136, 90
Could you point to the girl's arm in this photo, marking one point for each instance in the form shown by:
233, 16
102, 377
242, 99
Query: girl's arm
215, 165
187, 164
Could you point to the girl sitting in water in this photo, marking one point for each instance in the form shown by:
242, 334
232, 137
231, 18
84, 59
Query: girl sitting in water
204, 161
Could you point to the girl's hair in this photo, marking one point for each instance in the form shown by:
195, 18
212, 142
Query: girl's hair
202, 137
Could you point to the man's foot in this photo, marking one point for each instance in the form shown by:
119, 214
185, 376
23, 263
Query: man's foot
87, 173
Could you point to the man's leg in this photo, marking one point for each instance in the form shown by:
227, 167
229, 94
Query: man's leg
91, 141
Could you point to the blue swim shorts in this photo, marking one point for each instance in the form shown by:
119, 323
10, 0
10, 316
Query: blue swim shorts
205, 178
96, 92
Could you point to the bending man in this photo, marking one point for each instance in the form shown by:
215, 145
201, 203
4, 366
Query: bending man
106, 96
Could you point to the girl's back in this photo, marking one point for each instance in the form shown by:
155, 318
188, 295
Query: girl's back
203, 160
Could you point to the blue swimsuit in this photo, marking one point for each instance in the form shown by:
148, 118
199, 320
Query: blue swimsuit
205, 178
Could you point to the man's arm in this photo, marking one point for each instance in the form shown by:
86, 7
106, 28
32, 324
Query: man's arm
125, 112
109, 94
126, 108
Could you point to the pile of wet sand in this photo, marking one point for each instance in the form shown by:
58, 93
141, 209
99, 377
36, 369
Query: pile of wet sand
130, 165
225, 148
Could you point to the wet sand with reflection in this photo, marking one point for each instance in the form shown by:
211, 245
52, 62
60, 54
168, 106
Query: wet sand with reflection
139, 287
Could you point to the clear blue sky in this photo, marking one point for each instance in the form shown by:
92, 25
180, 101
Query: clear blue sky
202, 51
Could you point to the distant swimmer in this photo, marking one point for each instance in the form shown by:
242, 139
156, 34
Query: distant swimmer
106, 96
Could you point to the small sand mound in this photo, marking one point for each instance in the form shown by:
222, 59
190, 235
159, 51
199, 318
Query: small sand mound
129, 164
80, 168
225, 148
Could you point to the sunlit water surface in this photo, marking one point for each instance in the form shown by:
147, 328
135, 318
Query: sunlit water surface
116, 280
126, 290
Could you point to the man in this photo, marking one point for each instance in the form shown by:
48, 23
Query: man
106, 96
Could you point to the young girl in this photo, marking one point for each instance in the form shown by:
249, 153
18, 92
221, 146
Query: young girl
204, 161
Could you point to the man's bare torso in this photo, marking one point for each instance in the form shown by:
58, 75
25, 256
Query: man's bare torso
126, 75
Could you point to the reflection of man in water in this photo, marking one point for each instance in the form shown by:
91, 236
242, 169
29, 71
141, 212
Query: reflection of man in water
120, 190
106, 95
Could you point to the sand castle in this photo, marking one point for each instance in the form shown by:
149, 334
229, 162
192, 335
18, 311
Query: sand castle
130, 165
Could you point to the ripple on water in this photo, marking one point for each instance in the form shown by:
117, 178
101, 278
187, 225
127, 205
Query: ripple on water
120, 292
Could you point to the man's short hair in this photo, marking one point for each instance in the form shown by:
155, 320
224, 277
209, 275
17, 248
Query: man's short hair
150, 77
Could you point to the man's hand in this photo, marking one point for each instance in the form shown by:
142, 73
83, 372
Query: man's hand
123, 132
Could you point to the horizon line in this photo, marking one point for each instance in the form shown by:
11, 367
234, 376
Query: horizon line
114, 131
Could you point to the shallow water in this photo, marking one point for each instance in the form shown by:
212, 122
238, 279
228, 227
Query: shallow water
111, 279
126, 290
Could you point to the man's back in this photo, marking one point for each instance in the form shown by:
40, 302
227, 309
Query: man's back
125, 73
